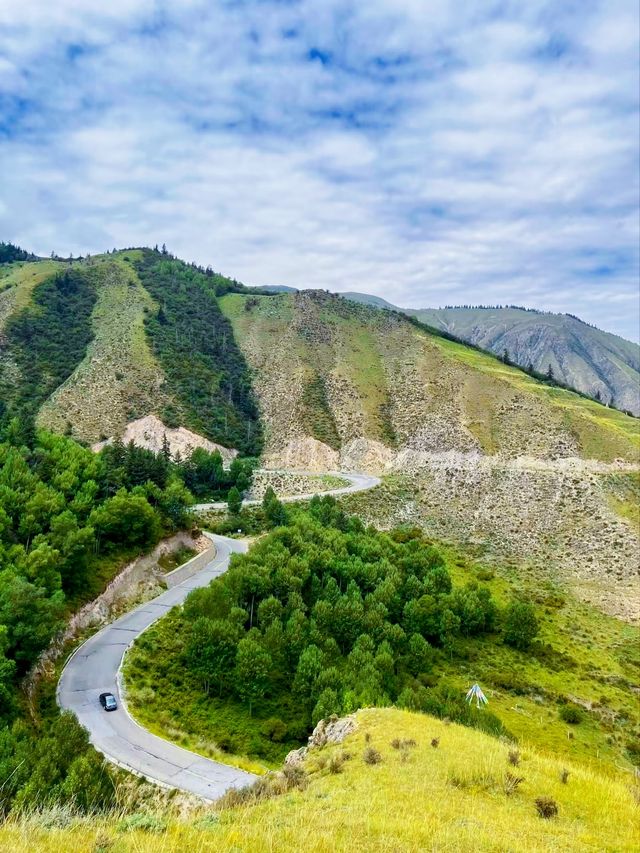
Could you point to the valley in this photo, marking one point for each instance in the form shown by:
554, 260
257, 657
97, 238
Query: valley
209, 405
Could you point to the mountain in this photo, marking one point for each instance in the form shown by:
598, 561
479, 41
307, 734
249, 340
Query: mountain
474, 450
369, 299
597, 363
96, 343
340, 382
278, 288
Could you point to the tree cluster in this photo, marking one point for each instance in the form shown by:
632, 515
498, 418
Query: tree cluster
47, 339
200, 474
9, 253
335, 615
194, 343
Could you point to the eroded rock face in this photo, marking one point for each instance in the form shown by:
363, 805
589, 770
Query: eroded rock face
304, 454
551, 516
366, 455
333, 730
149, 432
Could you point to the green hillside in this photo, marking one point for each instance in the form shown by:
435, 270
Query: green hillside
373, 375
581, 356
94, 343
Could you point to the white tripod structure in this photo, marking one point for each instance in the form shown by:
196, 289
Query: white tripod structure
476, 692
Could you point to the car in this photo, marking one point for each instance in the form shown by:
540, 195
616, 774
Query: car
108, 701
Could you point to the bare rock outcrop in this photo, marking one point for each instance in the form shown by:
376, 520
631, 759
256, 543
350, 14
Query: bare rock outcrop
149, 432
304, 454
331, 731
366, 455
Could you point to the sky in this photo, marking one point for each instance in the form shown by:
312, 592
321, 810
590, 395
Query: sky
432, 152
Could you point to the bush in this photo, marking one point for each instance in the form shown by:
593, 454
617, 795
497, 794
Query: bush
335, 764
371, 756
275, 729
570, 714
521, 625
547, 807
143, 822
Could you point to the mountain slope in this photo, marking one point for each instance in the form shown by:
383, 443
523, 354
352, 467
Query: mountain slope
583, 357
489, 456
96, 343
359, 383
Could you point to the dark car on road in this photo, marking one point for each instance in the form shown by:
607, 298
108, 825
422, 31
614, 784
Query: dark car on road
108, 701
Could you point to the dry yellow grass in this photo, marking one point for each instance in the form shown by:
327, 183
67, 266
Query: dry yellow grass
452, 797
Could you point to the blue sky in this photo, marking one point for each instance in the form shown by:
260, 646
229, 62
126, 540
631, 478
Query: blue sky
429, 152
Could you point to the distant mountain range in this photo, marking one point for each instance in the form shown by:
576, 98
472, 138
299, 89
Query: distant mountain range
581, 356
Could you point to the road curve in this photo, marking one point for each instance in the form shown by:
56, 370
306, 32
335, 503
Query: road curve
357, 483
95, 668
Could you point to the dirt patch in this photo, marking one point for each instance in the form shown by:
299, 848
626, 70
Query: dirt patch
149, 432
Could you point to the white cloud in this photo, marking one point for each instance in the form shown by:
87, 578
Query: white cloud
431, 153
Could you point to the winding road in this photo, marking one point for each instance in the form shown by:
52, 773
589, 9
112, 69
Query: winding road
95, 667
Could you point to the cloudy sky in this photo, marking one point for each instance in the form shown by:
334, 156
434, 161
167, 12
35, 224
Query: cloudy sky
429, 151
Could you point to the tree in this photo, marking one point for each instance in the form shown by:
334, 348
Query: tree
419, 655
308, 669
234, 501
328, 703
253, 664
505, 357
210, 652
274, 510
449, 627
125, 520
550, 375
520, 625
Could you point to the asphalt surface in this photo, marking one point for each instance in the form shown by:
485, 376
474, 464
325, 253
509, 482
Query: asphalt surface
94, 668
357, 483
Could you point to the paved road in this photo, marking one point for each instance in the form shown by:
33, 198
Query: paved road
357, 483
95, 667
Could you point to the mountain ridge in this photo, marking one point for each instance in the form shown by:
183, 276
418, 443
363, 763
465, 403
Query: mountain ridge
593, 361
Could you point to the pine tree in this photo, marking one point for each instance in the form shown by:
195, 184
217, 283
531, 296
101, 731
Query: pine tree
234, 501
166, 448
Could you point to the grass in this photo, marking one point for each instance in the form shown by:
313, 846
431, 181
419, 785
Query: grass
580, 656
163, 696
623, 491
580, 653
17, 282
360, 362
459, 796
603, 433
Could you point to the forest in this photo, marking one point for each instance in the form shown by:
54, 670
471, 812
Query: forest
321, 617
47, 339
194, 343
9, 253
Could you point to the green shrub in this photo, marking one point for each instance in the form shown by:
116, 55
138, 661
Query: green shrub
570, 714
142, 822
520, 625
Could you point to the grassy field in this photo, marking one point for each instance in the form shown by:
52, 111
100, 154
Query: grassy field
433, 786
17, 282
